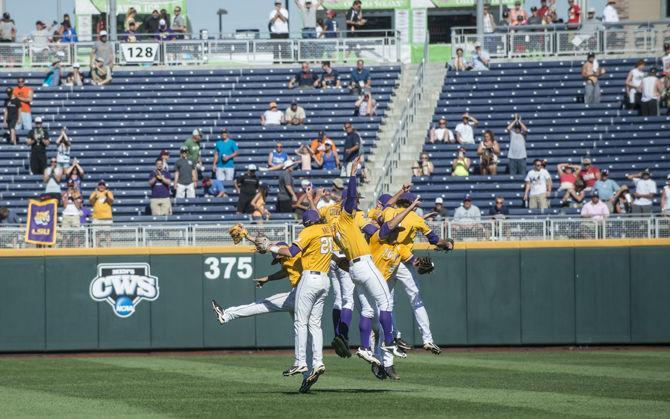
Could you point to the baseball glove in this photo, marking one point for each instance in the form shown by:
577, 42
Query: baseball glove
424, 265
262, 243
238, 233
446, 245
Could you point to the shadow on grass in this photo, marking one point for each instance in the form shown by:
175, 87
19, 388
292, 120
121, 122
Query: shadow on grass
344, 391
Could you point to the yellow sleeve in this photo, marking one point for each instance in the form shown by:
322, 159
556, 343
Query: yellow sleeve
388, 214
323, 211
419, 224
404, 252
303, 239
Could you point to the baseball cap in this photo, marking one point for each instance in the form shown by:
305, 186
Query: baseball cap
55, 61
605, 172
252, 167
76, 65
591, 54
407, 196
592, 9
224, 130
461, 148
329, 142
594, 192
165, 153
103, 33
305, 183
102, 182
467, 197
278, 2
668, 178
183, 148
383, 199
646, 171
478, 45
294, 102
338, 184
439, 200
162, 22
273, 104
310, 216
197, 132
586, 160
288, 163
38, 119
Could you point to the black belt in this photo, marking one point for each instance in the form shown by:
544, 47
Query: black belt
315, 272
357, 259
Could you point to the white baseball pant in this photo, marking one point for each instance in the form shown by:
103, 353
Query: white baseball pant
284, 301
343, 287
405, 276
365, 274
187, 191
310, 298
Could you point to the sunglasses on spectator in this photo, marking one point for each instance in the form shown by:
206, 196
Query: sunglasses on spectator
499, 202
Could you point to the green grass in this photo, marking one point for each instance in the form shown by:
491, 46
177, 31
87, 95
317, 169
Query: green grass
472, 384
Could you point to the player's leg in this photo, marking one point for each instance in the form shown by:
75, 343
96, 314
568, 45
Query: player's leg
278, 302
405, 275
304, 298
347, 289
337, 295
365, 322
314, 324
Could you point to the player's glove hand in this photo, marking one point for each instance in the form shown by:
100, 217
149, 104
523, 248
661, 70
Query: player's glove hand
238, 233
424, 265
262, 243
446, 245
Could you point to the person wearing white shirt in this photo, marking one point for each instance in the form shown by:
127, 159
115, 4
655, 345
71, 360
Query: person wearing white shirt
278, 21
464, 132
441, 133
480, 59
645, 189
468, 212
633, 83
272, 116
665, 197
538, 186
651, 88
595, 208
610, 13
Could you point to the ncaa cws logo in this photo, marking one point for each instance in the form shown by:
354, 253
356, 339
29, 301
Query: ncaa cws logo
124, 286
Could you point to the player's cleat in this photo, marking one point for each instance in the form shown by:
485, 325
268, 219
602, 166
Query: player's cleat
308, 382
394, 350
430, 346
400, 343
367, 355
295, 370
219, 312
390, 373
341, 346
378, 371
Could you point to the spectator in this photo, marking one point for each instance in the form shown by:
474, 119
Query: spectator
331, 27
360, 80
131, 33
165, 156
574, 13
543, 10
488, 151
441, 133
225, 152
365, 105
535, 18
52, 79
330, 78
330, 159
301, 203
588, 174
316, 144
645, 189
8, 216
516, 155
464, 131
10, 115
520, 21
353, 145
165, 17
423, 167
306, 155
489, 22
591, 72
665, 197
295, 114
278, 23
467, 212
85, 214
165, 33
179, 23
634, 85
69, 81
272, 116
460, 166
260, 211
160, 183
101, 75
354, 19
568, 183
504, 22
246, 186
623, 201
277, 157
40, 38
595, 208
76, 75
480, 59
151, 24
458, 63
185, 175
286, 196
63, 145
330, 196
69, 34
303, 78
607, 189
71, 200
517, 11
213, 188
192, 145
538, 186
102, 200
131, 17
38, 140
75, 173
499, 210
610, 13
7, 28
52, 177
308, 13
651, 94
104, 51
438, 212
101, 25
25, 96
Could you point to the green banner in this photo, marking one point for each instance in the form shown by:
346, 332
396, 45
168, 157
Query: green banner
469, 3
143, 7
406, 4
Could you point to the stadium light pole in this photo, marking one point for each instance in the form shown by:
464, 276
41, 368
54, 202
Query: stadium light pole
112, 20
480, 20
221, 12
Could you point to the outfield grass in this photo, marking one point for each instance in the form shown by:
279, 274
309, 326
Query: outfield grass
475, 384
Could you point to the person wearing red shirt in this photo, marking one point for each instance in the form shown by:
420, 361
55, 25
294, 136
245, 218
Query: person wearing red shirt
589, 174
543, 10
574, 12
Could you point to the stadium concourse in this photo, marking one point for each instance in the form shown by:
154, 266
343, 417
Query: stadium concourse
119, 130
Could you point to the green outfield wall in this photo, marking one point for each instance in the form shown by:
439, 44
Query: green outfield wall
488, 295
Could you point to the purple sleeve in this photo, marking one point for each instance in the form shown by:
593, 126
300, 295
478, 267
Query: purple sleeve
370, 229
432, 238
350, 200
294, 249
385, 231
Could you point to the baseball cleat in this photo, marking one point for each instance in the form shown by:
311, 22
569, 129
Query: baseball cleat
378, 371
367, 355
390, 373
341, 346
308, 382
295, 370
394, 350
219, 312
400, 343
430, 346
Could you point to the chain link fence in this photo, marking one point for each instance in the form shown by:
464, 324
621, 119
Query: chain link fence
662, 227
573, 229
471, 230
512, 230
628, 228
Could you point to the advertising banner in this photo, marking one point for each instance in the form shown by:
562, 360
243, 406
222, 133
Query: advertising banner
406, 4
42, 221
143, 7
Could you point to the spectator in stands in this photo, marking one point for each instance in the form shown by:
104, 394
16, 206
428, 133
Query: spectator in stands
246, 186
588, 174
574, 13
354, 19
441, 133
499, 210
165, 156
326, 199
489, 22
286, 196
330, 159
76, 75
103, 50
40, 38
277, 157
63, 145
303, 78
306, 156
459, 63
538, 186
70, 201
75, 173
634, 85
192, 145
438, 212
185, 175
320, 140
131, 33
534, 18
464, 131
25, 96
588, 31
101, 75
295, 114
160, 183
10, 115
8, 216
213, 187
360, 79
53, 77
301, 204
131, 16
7, 28
479, 61
623, 201
225, 152
516, 155
568, 183
607, 189
308, 13
460, 166
333, 195
610, 13
423, 167
591, 72
101, 25
651, 94
179, 24
102, 200
665, 197
152, 23
365, 105
260, 211
488, 151
272, 116
278, 23
69, 81
645, 189
38, 140
165, 17
165, 33
69, 34
467, 212
329, 78
52, 177
517, 11
352, 148
85, 214
543, 10
595, 208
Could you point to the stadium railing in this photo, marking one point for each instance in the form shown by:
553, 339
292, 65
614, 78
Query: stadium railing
216, 234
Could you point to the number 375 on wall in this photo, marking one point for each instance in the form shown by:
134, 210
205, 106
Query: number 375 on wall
222, 267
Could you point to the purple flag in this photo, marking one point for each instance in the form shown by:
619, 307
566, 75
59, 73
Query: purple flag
41, 224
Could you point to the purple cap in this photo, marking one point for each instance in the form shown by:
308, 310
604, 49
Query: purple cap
310, 217
407, 196
384, 199
605, 172
468, 197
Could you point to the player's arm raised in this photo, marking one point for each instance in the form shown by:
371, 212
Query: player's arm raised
352, 195
405, 188
392, 224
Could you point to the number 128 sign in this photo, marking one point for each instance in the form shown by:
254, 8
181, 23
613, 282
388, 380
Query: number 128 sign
139, 52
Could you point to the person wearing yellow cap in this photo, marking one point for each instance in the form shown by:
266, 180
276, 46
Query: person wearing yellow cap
272, 116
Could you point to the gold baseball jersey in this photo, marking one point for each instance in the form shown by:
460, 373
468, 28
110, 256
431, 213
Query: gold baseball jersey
386, 257
349, 235
316, 246
374, 213
329, 214
293, 267
411, 224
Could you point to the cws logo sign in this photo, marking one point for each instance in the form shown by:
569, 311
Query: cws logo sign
124, 286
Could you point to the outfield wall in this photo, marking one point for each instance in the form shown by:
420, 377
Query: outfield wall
615, 292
